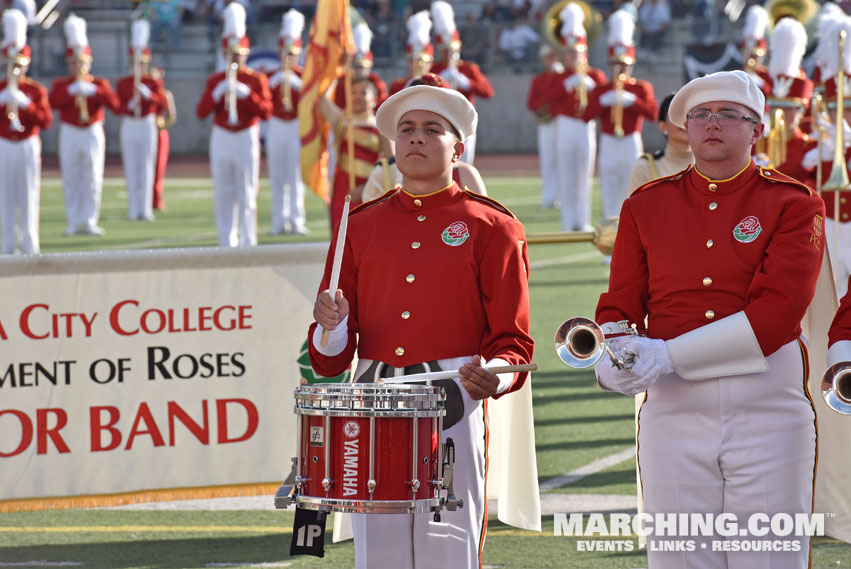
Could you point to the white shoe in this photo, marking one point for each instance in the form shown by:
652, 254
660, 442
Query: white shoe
588, 228
301, 230
69, 231
93, 230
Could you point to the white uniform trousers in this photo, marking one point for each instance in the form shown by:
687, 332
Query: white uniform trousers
283, 155
139, 138
20, 185
469, 149
741, 445
235, 166
416, 541
576, 145
841, 257
547, 159
617, 157
81, 156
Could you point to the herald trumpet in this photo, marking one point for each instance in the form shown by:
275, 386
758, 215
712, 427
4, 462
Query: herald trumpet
836, 387
580, 343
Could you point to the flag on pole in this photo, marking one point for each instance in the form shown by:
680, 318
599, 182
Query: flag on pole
330, 37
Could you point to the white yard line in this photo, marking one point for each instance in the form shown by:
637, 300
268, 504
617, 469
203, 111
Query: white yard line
589, 469
40, 564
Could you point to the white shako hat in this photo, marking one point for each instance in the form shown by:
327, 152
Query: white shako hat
419, 33
448, 103
733, 86
234, 38
76, 39
28, 8
14, 45
140, 34
445, 32
292, 26
787, 46
572, 30
753, 33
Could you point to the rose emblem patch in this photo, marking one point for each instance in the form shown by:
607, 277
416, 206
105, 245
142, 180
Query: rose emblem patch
455, 234
747, 230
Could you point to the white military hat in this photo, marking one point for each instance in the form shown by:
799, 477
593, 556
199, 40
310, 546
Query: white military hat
732, 86
448, 103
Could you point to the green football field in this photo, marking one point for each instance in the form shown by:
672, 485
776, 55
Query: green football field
576, 423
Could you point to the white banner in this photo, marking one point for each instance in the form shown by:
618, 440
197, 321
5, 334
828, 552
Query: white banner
137, 371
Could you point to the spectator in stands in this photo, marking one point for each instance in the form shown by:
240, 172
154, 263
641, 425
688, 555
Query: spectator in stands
654, 19
166, 17
517, 42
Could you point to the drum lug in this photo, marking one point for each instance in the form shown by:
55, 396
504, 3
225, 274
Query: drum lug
287, 492
371, 484
327, 483
414, 484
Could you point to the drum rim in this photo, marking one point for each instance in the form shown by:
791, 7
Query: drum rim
368, 506
381, 413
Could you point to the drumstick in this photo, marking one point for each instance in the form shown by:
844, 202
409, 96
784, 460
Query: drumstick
338, 260
435, 375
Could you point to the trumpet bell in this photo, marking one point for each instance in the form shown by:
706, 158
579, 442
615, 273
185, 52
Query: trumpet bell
836, 387
579, 342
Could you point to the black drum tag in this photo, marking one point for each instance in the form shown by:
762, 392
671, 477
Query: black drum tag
308, 533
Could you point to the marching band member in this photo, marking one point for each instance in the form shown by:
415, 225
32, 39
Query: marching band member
542, 98
361, 66
239, 99
283, 144
576, 139
827, 16
465, 76
675, 157
789, 98
622, 104
754, 46
439, 232
25, 112
419, 53
386, 175
80, 99
366, 143
165, 119
722, 284
141, 99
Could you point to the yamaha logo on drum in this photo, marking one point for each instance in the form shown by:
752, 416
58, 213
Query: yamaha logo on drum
351, 429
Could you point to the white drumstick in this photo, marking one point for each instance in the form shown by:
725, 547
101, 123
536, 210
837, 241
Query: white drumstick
338, 260
435, 375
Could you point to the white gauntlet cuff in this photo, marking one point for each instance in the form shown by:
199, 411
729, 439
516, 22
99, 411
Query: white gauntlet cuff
337, 339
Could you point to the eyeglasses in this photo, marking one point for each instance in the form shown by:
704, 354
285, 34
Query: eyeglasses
702, 117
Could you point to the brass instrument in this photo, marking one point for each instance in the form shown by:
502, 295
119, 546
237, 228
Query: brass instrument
137, 80
603, 236
777, 138
580, 343
454, 58
582, 89
13, 77
420, 63
80, 100
287, 90
230, 96
551, 24
801, 10
836, 387
838, 180
617, 110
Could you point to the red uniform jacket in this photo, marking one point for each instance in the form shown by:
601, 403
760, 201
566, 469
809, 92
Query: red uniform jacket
398, 84
796, 148
66, 103
380, 90
544, 94
154, 105
455, 262
34, 118
683, 262
251, 110
645, 107
479, 84
276, 85
566, 103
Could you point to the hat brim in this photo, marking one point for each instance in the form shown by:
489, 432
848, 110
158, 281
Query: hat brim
732, 86
448, 103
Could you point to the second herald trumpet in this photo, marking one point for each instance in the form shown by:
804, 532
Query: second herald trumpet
233, 117
580, 343
81, 101
617, 110
13, 77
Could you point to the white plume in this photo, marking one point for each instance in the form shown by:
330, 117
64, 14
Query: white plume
140, 34
621, 28
75, 31
292, 24
234, 20
830, 68
27, 7
756, 21
788, 44
572, 21
419, 28
14, 29
363, 38
444, 19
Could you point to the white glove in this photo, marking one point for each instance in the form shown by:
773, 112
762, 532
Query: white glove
242, 90
21, 99
614, 379
84, 88
572, 82
651, 359
220, 90
144, 91
456, 79
610, 99
280, 77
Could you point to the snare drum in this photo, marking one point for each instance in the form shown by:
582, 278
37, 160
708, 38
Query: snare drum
369, 448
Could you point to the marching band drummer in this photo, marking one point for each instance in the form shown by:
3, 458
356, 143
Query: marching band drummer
675, 157
394, 308
80, 99
622, 104
25, 112
721, 261
239, 99
141, 99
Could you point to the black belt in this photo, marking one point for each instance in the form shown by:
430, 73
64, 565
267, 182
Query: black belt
454, 401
